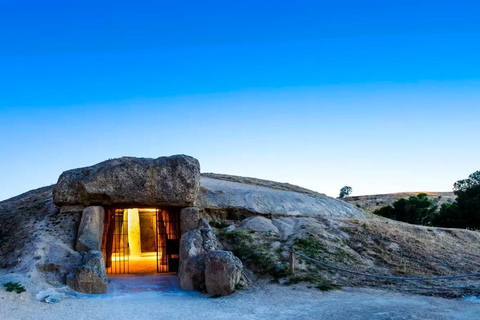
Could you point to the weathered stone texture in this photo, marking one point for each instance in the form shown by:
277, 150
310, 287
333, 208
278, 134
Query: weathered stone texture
90, 231
189, 219
165, 181
285, 226
223, 271
259, 224
91, 277
218, 194
194, 246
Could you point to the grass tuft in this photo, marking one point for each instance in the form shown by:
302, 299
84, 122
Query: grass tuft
218, 224
14, 286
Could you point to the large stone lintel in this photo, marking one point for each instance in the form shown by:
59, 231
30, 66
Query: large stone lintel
165, 181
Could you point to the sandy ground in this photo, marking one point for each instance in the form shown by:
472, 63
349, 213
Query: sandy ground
160, 298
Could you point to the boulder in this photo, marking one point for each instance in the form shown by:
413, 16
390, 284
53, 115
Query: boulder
165, 181
90, 277
90, 231
203, 224
223, 271
189, 219
194, 245
59, 260
259, 224
285, 226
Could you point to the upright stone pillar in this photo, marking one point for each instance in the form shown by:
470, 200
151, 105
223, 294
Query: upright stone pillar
90, 231
134, 240
189, 219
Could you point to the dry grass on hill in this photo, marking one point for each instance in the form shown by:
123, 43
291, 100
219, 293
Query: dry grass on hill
376, 201
392, 248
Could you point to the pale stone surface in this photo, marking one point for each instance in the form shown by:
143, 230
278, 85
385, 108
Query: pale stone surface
134, 239
71, 209
148, 235
191, 271
267, 301
59, 261
223, 272
218, 194
165, 181
189, 219
259, 224
285, 226
194, 246
90, 231
203, 224
90, 277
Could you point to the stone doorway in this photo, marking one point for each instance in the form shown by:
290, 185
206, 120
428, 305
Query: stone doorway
141, 240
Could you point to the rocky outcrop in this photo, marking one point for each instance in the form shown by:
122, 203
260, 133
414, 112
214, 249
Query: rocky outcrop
376, 201
285, 227
194, 246
223, 272
90, 231
259, 224
91, 276
189, 219
261, 182
165, 181
217, 194
58, 261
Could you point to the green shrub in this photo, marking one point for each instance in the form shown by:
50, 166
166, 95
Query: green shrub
14, 286
257, 256
464, 212
417, 209
309, 246
254, 253
218, 224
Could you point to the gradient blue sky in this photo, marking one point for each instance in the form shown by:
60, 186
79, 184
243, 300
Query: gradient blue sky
383, 96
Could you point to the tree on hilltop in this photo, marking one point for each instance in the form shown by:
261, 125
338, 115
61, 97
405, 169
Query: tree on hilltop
464, 212
345, 191
417, 209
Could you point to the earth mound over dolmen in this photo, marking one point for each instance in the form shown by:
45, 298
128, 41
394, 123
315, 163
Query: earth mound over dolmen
129, 182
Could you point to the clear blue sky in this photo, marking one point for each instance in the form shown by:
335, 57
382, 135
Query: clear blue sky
383, 96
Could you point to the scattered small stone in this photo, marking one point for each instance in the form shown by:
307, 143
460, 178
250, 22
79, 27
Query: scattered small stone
230, 228
52, 299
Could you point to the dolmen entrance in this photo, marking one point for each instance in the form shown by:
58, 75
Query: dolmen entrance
139, 216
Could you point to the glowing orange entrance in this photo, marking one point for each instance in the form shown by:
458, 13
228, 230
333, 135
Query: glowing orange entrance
141, 240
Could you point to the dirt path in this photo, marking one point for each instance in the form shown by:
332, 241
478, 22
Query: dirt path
266, 301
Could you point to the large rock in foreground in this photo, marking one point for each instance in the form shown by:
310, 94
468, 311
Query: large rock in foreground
193, 247
223, 271
165, 181
91, 277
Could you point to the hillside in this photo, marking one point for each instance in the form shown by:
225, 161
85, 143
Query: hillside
261, 182
254, 196
36, 238
376, 201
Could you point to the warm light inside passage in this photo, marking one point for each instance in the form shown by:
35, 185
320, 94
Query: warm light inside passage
140, 230
141, 240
